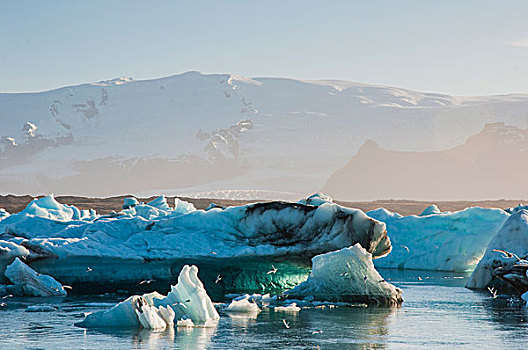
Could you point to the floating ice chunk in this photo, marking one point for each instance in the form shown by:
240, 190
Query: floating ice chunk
129, 241
447, 241
48, 208
347, 275
185, 323
41, 308
316, 199
130, 202
152, 317
214, 206
160, 203
156, 208
32, 283
525, 298
512, 238
519, 207
8, 250
3, 214
121, 315
183, 207
287, 308
243, 306
188, 299
432, 209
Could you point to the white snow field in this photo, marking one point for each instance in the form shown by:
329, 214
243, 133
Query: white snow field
153, 241
511, 238
187, 300
198, 133
347, 275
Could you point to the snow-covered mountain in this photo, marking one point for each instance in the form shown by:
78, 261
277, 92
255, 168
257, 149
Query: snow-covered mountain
200, 133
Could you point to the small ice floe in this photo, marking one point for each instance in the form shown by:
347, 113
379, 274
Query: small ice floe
185, 323
287, 308
243, 306
41, 308
187, 302
27, 282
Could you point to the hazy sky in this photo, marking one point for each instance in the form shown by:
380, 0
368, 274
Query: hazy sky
457, 47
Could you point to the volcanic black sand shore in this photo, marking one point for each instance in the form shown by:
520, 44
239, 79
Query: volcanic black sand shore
15, 204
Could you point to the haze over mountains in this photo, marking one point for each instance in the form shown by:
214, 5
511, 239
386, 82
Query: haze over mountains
224, 135
491, 164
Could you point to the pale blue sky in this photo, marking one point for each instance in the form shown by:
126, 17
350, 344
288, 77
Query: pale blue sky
456, 47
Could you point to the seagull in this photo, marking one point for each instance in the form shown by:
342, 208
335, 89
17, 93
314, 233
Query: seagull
7, 296
146, 281
344, 274
67, 287
493, 292
273, 270
286, 324
218, 278
506, 254
317, 331
2, 304
214, 253
89, 269
419, 278
406, 248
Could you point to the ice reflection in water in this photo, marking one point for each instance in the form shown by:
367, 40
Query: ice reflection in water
437, 312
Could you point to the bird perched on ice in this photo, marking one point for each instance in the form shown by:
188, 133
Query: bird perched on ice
273, 270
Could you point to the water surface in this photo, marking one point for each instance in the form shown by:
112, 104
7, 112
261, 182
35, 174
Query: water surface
438, 312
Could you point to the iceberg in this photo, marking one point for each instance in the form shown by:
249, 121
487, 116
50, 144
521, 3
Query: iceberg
504, 253
347, 275
432, 209
243, 306
439, 241
287, 308
434, 240
3, 214
27, 282
153, 241
187, 300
